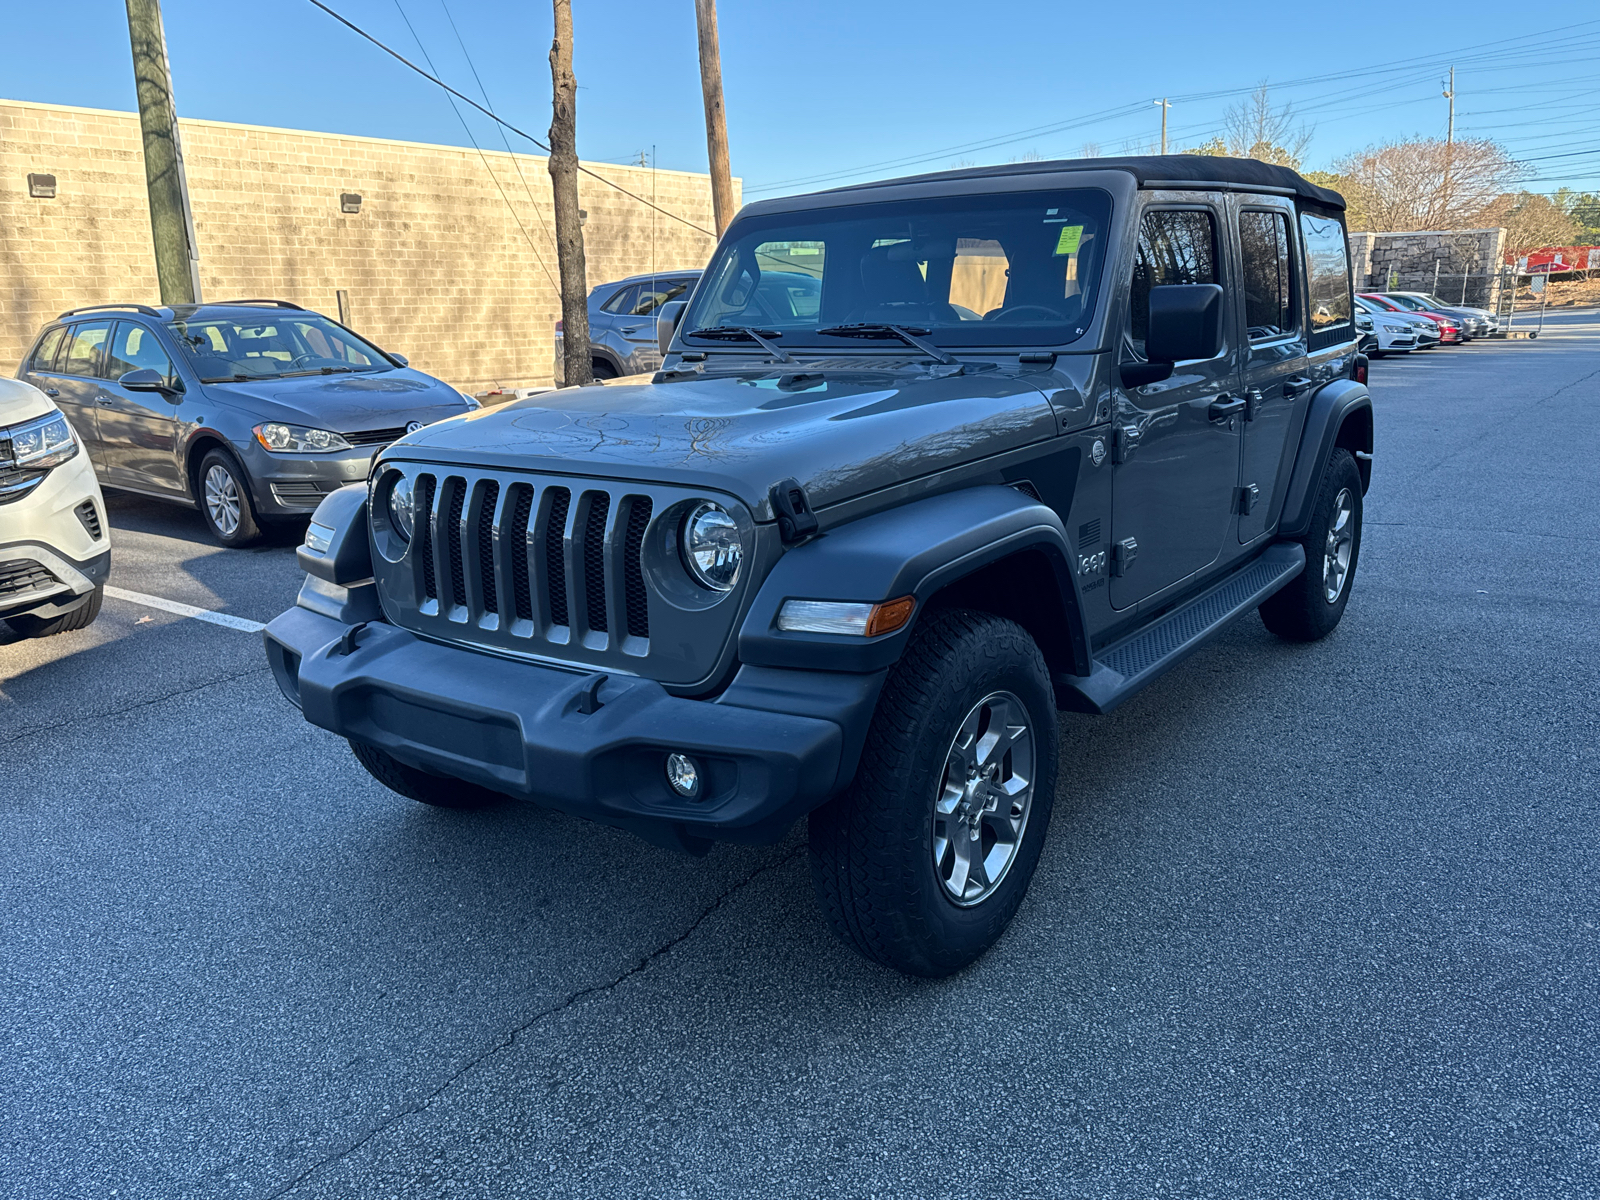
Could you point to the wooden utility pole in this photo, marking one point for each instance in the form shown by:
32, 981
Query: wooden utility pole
171, 224
705, 12
1450, 135
576, 365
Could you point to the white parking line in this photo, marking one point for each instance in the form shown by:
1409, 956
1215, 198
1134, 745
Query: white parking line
226, 620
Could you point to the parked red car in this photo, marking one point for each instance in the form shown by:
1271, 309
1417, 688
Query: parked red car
1449, 327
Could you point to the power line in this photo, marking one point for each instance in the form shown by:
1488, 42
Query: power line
431, 78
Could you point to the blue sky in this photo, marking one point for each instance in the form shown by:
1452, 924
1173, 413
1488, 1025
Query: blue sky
830, 91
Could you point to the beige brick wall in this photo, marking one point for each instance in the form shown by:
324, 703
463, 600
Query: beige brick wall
435, 263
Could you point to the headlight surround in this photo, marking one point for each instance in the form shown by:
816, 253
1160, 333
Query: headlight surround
401, 507
41, 443
280, 438
712, 549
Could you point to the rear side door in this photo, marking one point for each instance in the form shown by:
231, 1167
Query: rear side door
637, 325
77, 378
605, 321
1276, 383
139, 430
1176, 441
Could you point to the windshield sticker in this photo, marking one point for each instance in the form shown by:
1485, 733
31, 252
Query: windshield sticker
1071, 235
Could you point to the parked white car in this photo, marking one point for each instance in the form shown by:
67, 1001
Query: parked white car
1396, 334
55, 541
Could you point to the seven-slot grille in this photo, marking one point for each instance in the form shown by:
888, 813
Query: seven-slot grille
529, 561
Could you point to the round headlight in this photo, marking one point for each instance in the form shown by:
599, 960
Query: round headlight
711, 547
400, 505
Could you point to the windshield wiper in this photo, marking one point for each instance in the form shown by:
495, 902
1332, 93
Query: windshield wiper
910, 336
743, 333
236, 378
312, 371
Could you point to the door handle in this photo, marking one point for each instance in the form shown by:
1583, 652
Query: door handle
1294, 385
51, 392
1223, 409
633, 329
102, 399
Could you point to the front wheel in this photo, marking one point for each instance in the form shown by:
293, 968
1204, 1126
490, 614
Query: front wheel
225, 500
922, 864
1312, 604
79, 618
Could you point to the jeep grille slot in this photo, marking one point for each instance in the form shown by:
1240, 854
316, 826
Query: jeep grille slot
485, 521
633, 570
456, 489
594, 565
515, 536
423, 506
555, 554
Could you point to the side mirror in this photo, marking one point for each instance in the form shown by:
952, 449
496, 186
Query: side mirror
399, 359
1185, 322
667, 323
146, 379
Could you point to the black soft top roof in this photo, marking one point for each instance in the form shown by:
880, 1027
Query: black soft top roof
1189, 170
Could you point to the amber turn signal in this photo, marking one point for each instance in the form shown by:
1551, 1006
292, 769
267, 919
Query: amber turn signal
890, 615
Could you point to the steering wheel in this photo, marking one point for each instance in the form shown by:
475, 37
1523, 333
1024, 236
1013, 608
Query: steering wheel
304, 360
1007, 314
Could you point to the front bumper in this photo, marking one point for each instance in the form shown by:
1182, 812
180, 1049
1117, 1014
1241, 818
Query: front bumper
774, 745
294, 484
51, 557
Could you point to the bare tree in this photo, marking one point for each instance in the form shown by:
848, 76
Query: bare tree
1532, 221
1428, 184
576, 366
1255, 129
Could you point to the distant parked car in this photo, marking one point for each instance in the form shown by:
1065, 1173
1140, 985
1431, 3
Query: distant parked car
1451, 329
622, 323
1479, 322
55, 544
1396, 333
248, 410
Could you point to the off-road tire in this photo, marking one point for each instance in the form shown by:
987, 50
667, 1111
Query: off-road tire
416, 784
872, 848
82, 617
1302, 612
248, 529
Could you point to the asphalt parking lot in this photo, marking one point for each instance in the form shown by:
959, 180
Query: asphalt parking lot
1313, 921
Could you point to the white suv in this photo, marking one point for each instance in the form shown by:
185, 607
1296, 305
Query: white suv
55, 543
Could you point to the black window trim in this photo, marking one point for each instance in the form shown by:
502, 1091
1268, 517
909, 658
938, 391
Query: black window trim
1340, 334
1297, 295
54, 358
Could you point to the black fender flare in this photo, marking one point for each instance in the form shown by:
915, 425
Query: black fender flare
1332, 406
914, 550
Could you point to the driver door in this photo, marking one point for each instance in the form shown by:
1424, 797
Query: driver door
139, 430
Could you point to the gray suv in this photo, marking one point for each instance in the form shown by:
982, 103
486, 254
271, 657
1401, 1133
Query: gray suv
248, 410
622, 323
927, 461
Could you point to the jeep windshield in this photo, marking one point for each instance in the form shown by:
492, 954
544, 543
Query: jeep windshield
249, 347
1020, 268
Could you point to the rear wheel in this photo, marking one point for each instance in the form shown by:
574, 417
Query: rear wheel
79, 618
923, 862
225, 500
416, 784
1315, 600
601, 369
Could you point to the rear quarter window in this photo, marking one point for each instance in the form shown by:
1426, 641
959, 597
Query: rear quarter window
44, 356
1327, 280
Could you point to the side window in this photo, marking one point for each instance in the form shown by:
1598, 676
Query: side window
1268, 296
653, 295
83, 351
1327, 280
623, 301
1175, 246
44, 358
134, 348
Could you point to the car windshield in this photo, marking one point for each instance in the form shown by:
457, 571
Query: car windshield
1017, 268
252, 347
1407, 302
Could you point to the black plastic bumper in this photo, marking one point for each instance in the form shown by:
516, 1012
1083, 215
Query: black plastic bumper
774, 745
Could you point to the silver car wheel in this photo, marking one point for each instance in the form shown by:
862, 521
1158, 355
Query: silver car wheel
222, 500
1340, 544
981, 811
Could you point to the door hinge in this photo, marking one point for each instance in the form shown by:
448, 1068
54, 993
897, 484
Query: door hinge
1124, 441
1244, 499
1123, 552
1252, 403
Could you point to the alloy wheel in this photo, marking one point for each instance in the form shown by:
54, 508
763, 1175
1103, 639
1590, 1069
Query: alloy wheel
222, 500
1340, 545
981, 811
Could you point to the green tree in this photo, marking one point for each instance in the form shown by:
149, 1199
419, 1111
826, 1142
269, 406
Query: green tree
1584, 210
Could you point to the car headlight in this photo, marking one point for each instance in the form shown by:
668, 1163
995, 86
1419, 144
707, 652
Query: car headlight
401, 508
711, 547
298, 439
42, 443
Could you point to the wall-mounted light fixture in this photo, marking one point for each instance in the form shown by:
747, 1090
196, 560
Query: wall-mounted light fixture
583, 217
350, 202
42, 187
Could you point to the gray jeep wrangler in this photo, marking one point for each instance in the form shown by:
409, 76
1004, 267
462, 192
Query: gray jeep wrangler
927, 461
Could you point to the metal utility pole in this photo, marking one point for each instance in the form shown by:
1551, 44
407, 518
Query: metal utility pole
1163, 104
705, 12
576, 366
1450, 136
171, 222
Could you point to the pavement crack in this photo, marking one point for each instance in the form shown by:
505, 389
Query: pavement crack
117, 712
509, 1039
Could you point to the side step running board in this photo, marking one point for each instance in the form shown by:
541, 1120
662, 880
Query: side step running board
1121, 670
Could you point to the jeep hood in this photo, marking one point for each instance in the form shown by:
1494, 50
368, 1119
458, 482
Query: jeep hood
839, 434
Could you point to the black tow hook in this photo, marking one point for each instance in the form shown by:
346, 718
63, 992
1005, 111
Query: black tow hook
589, 694
348, 643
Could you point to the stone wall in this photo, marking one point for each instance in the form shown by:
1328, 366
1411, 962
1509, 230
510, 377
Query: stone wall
437, 264
1462, 265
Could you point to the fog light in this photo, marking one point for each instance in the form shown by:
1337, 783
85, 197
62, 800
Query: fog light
683, 775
